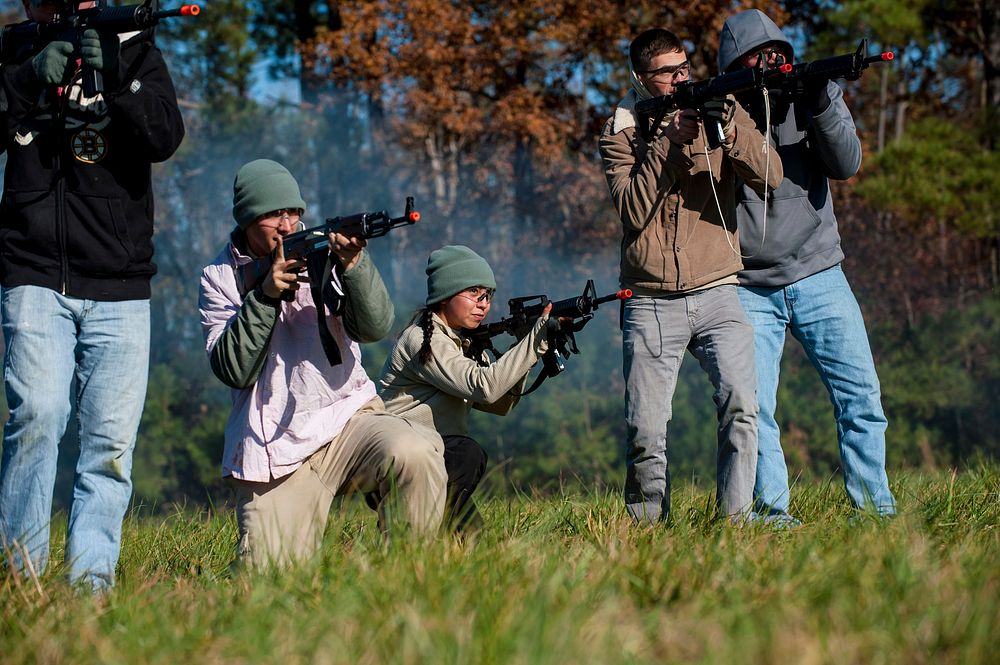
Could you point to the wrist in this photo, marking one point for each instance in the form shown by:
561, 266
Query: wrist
348, 262
730, 140
820, 100
268, 296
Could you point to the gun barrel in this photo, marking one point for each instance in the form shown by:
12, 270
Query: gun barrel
183, 10
880, 57
411, 217
624, 294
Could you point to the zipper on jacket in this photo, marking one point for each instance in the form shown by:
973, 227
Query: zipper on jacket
61, 223
60, 118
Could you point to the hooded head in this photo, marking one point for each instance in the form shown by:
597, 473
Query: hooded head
454, 268
747, 32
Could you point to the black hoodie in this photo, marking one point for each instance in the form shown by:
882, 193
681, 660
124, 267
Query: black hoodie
77, 208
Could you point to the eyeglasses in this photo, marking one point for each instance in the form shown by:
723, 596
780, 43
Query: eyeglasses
673, 72
478, 295
288, 216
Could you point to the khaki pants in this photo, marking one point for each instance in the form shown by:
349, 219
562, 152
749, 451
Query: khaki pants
282, 521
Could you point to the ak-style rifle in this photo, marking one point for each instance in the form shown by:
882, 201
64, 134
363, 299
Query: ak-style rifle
313, 244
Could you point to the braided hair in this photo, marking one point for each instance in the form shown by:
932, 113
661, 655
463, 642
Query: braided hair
422, 317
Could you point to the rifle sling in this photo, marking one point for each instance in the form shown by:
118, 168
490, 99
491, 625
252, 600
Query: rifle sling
544, 374
550, 359
319, 265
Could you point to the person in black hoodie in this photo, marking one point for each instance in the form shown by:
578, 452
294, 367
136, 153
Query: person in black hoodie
76, 226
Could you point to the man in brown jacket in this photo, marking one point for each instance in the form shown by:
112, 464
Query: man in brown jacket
680, 255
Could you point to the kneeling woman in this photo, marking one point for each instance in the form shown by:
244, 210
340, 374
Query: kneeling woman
427, 377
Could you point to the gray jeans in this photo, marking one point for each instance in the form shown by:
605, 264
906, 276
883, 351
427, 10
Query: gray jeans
713, 326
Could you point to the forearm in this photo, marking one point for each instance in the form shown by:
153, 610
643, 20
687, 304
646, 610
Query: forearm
638, 189
758, 167
368, 310
21, 91
147, 105
505, 404
451, 372
836, 137
239, 353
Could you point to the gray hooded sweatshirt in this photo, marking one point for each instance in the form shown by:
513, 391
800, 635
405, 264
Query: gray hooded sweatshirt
800, 237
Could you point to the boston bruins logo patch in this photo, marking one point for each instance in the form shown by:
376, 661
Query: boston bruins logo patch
89, 146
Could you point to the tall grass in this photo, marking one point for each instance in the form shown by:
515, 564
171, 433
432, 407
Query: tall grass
551, 580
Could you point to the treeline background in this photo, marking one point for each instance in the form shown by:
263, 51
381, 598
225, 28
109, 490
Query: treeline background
488, 113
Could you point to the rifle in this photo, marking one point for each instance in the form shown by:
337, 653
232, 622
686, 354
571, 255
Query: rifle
848, 66
787, 77
27, 37
567, 317
693, 95
313, 244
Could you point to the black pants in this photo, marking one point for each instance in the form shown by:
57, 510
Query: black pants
465, 462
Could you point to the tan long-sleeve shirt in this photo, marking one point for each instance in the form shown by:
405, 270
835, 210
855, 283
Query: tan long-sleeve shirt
440, 393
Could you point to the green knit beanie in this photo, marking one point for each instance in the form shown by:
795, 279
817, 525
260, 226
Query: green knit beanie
454, 268
263, 186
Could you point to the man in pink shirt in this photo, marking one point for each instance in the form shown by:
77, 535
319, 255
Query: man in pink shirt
306, 423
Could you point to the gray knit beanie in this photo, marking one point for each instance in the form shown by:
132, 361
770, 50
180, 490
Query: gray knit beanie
454, 268
263, 186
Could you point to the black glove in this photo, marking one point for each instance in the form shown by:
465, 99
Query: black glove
723, 111
100, 51
816, 96
51, 62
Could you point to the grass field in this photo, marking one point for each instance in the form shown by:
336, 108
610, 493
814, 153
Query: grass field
555, 580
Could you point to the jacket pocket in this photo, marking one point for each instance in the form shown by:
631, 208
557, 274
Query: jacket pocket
643, 255
789, 225
28, 233
97, 235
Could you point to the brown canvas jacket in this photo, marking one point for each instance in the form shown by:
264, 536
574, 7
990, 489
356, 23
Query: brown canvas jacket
673, 238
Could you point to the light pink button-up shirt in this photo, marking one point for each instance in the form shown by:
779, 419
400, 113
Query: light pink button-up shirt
299, 402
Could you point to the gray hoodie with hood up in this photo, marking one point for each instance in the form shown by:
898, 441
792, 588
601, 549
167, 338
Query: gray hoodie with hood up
800, 237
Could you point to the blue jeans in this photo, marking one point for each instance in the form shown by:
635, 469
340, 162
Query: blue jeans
823, 315
102, 348
656, 333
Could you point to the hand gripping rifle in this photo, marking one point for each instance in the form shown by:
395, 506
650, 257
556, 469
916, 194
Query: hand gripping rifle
693, 95
567, 318
29, 37
313, 244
